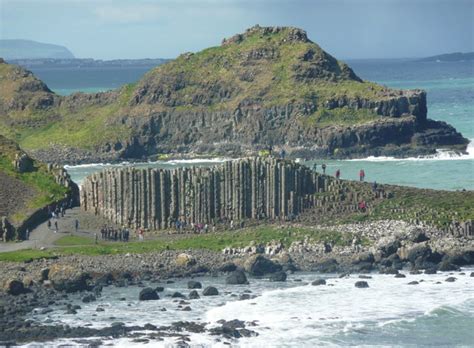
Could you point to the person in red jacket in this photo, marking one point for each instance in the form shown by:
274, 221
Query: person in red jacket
338, 174
361, 175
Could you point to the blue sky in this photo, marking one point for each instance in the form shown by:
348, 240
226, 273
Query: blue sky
108, 29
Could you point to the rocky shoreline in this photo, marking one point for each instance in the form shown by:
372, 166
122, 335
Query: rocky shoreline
40, 284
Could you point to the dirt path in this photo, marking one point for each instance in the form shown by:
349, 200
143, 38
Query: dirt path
43, 237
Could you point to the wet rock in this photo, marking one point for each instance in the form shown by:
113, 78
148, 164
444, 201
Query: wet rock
228, 267
192, 284
177, 294
430, 271
100, 309
446, 265
44, 274
159, 289
318, 282
361, 284
400, 275
69, 279
148, 294
414, 282
186, 309
88, 298
210, 291
450, 279
245, 297
363, 276
278, 277
388, 270
236, 277
259, 266
472, 274
193, 295
15, 287
327, 266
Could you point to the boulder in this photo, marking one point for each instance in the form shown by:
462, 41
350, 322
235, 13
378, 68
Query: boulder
177, 294
88, 298
148, 294
318, 282
236, 277
414, 282
418, 236
259, 266
361, 284
210, 291
278, 277
363, 258
193, 295
69, 279
390, 248
472, 274
446, 265
185, 260
228, 267
326, 266
159, 289
192, 284
400, 275
15, 287
44, 274
450, 279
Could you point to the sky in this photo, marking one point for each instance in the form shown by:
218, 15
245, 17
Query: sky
348, 29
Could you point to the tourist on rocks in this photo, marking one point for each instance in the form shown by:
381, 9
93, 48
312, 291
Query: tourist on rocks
361, 175
282, 154
338, 174
362, 206
374, 186
315, 166
324, 168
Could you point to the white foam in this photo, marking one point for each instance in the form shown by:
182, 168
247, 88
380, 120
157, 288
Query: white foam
441, 155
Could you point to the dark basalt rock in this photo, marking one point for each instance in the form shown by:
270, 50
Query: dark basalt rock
210, 291
260, 266
192, 284
228, 267
450, 279
177, 295
16, 287
414, 282
318, 282
88, 298
278, 277
148, 294
236, 277
361, 284
193, 295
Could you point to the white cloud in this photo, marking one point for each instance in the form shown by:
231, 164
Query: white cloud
128, 13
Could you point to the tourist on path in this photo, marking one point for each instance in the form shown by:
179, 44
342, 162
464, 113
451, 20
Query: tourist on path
56, 227
361, 175
338, 174
76, 224
49, 224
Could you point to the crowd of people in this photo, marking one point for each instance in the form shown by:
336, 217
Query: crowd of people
117, 234
55, 212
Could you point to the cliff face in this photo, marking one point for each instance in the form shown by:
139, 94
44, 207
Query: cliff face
27, 187
269, 86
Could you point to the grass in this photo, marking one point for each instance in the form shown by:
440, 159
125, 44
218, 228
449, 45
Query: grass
75, 245
340, 116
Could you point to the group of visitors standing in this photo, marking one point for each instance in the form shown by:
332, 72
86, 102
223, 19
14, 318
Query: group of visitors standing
55, 212
115, 234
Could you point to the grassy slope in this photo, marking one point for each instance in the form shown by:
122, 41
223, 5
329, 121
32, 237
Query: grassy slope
47, 190
274, 84
216, 242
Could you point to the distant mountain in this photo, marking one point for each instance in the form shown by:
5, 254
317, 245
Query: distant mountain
449, 57
51, 63
27, 49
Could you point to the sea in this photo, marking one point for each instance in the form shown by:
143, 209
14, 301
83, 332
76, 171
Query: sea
390, 313
450, 94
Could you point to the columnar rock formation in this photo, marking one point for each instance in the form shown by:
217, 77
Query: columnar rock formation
251, 188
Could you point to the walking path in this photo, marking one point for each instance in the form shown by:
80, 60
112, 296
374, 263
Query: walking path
43, 237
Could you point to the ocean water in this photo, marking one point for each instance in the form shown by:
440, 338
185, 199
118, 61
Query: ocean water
450, 88
297, 314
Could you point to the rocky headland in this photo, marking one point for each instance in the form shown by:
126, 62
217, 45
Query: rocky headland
267, 87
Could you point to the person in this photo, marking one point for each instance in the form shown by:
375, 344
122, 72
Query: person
361, 175
315, 166
231, 224
270, 149
282, 154
362, 206
27, 233
49, 224
76, 224
324, 168
56, 227
96, 237
374, 186
338, 174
